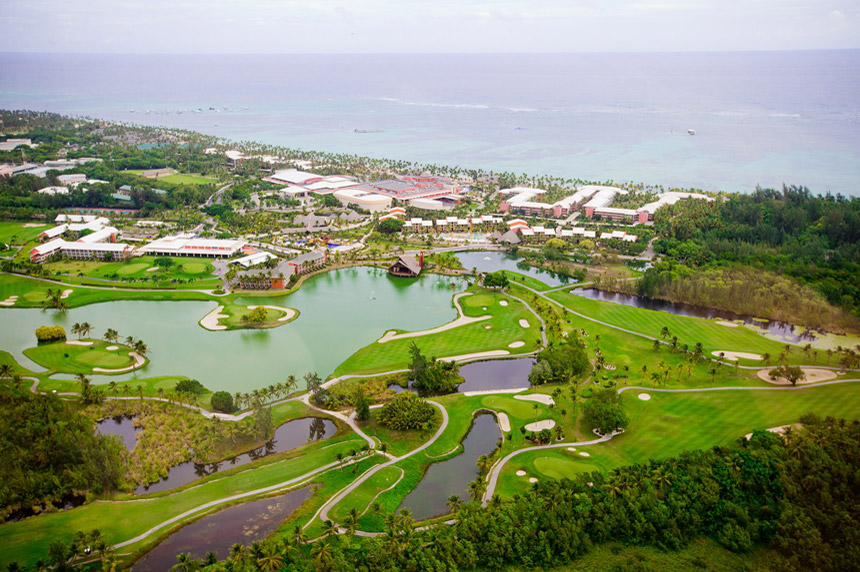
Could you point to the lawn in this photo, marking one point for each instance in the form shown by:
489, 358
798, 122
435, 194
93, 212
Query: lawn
399, 442
182, 179
63, 357
674, 422
504, 328
27, 540
235, 317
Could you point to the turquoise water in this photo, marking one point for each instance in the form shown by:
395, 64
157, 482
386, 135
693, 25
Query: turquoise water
338, 317
493, 261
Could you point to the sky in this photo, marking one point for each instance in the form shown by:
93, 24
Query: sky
422, 26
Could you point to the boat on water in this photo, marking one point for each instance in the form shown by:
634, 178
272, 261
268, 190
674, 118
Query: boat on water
691, 131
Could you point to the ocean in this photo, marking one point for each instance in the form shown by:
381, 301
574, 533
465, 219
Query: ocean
763, 118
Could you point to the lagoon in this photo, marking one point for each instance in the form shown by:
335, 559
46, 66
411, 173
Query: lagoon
341, 312
493, 261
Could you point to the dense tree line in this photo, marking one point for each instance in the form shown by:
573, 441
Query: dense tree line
50, 451
796, 494
812, 238
432, 376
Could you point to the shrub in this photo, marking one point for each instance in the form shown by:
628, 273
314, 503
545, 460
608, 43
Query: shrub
189, 386
223, 401
50, 333
406, 411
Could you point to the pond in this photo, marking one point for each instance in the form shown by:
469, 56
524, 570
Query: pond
288, 436
489, 375
780, 330
122, 425
491, 261
453, 476
341, 312
217, 532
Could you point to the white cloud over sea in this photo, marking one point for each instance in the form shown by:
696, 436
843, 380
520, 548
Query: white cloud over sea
438, 26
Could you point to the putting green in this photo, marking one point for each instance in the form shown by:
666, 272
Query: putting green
519, 409
194, 267
557, 467
127, 269
35, 296
101, 358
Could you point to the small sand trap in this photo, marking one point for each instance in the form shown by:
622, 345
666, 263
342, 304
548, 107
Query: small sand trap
503, 302
504, 422
493, 391
66, 293
532, 480
477, 355
644, 397
779, 430
572, 449
813, 375
521, 473
516, 344
79, 343
727, 324
733, 356
539, 397
153, 269
10, 301
487, 327
210, 320
540, 425
524, 323
584, 454
112, 348
32, 225
484, 308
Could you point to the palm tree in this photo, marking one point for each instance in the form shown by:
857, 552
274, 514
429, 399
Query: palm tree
329, 528
351, 522
766, 357
713, 372
656, 345
112, 387
76, 329
477, 488
322, 553
111, 335
664, 333
129, 341
299, 535
86, 328
6, 370
271, 559
454, 502
140, 348
140, 391
643, 370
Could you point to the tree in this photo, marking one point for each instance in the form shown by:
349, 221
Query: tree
362, 406
540, 374
790, 373
111, 335
390, 225
271, 559
496, 279
454, 503
223, 401
604, 411
407, 411
257, 316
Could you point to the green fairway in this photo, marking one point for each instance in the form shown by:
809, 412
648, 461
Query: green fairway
365, 495
32, 293
139, 272
674, 422
13, 232
64, 357
504, 329
182, 179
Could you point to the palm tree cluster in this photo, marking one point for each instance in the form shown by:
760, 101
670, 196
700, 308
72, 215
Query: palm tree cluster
259, 397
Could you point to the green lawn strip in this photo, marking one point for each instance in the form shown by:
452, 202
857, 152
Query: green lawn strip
17, 369
28, 540
138, 272
63, 357
362, 497
33, 293
526, 280
14, 232
475, 337
674, 422
183, 179
399, 442
689, 330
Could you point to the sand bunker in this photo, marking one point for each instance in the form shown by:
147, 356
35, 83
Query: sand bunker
487, 327
79, 343
539, 397
210, 320
516, 344
644, 397
503, 302
289, 313
66, 293
524, 323
584, 454
813, 375
779, 430
138, 361
504, 422
32, 225
727, 324
493, 391
477, 355
521, 473
112, 348
572, 449
10, 301
540, 425
153, 269
532, 480
733, 356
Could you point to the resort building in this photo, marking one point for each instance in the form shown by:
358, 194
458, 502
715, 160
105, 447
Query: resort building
97, 250
309, 261
646, 212
521, 200
293, 177
602, 197
364, 199
73, 179
616, 214
43, 252
53, 232
407, 266
54, 191
410, 188
188, 245
254, 259
64, 218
